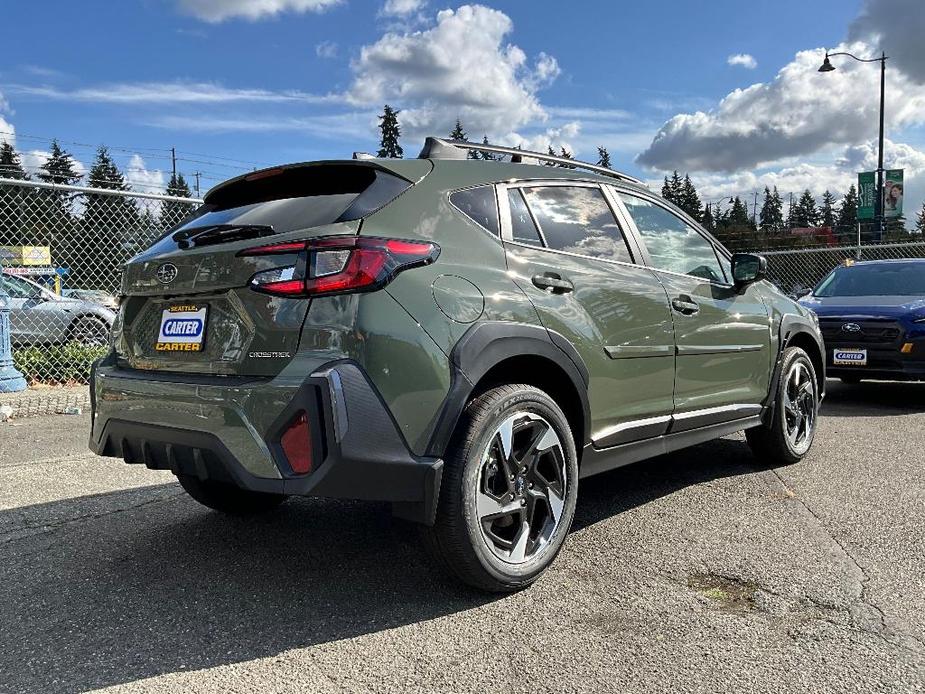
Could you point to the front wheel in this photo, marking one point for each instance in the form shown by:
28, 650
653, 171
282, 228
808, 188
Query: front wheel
508, 493
786, 439
228, 498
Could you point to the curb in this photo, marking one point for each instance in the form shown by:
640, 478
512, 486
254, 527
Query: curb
37, 402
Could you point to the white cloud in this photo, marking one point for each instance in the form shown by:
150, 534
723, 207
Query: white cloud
742, 60
798, 113
167, 92
897, 26
459, 67
7, 131
33, 159
401, 8
326, 49
220, 10
142, 179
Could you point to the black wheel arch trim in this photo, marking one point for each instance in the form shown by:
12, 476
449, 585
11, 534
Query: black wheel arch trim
486, 345
792, 325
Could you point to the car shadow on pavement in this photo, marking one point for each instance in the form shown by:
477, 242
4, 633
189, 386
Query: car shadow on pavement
150, 583
873, 399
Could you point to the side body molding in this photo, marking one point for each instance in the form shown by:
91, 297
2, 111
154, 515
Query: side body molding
487, 344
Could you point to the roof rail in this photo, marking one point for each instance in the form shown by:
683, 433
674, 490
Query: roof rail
440, 148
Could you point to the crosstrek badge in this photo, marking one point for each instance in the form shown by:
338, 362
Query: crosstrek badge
183, 329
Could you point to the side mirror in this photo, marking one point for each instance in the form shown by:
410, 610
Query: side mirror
748, 268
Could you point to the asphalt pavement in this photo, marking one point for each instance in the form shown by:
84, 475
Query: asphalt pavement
694, 572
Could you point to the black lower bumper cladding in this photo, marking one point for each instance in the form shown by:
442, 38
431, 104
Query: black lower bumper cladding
358, 449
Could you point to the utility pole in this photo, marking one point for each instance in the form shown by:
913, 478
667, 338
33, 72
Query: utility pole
197, 175
173, 162
755, 211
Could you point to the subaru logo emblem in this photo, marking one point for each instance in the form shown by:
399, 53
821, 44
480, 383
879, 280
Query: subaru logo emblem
166, 273
851, 328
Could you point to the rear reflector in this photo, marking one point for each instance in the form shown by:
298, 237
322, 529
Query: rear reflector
297, 444
338, 264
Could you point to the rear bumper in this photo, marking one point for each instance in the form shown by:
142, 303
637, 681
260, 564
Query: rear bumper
229, 430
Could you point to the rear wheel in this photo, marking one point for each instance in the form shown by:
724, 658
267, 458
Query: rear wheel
786, 439
508, 493
89, 330
228, 498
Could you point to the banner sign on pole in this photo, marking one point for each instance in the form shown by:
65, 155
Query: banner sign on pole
893, 193
867, 195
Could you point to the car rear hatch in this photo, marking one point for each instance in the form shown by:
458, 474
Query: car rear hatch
192, 303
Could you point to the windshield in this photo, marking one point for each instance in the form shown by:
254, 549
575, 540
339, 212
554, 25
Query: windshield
888, 279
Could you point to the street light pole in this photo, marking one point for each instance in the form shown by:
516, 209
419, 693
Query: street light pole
828, 67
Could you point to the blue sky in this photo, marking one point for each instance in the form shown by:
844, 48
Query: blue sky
304, 79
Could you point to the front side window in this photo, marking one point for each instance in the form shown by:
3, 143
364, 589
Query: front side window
479, 205
577, 220
673, 244
18, 289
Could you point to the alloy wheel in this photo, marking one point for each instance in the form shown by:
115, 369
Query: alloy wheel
800, 406
522, 488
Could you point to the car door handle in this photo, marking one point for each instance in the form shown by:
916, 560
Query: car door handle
684, 304
553, 282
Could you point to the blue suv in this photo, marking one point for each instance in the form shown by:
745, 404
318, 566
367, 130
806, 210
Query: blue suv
872, 316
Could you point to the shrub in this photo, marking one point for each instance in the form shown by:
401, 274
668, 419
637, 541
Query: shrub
57, 364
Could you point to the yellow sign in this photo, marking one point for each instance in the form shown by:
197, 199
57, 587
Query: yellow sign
26, 255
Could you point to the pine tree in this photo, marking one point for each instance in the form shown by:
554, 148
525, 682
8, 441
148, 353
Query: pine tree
172, 213
565, 154
59, 167
55, 226
827, 211
484, 156
770, 218
15, 212
689, 200
672, 188
458, 133
805, 212
111, 225
551, 152
708, 222
847, 220
603, 157
920, 221
391, 132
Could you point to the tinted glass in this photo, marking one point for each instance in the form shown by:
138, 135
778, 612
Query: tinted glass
888, 279
673, 244
522, 227
18, 289
577, 220
479, 205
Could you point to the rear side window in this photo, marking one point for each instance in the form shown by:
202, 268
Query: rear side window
479, 205
577, 220
289, 200
523, 230
673, 244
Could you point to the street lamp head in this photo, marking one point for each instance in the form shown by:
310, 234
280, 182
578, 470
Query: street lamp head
826, 65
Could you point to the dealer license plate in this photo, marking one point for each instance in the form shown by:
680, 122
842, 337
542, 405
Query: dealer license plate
183, 329
849, 357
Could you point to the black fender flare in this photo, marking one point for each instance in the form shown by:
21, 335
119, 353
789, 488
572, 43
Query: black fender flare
790, 326
487, 344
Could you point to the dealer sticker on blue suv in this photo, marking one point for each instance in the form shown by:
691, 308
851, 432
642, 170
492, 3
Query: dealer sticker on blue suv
183, 329
849, 357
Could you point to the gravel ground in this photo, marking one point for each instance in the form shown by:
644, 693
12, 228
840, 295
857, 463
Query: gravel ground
695, 572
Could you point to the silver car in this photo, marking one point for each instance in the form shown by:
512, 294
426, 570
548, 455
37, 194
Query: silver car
39, 316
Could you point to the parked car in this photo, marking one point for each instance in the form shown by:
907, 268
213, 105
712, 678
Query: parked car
872, 315
96, 296
465, 339
39, 316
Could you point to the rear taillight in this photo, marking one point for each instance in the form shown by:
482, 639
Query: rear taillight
296, 442
339, 264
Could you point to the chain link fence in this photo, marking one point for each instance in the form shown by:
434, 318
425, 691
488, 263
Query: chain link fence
62, 250
797, 271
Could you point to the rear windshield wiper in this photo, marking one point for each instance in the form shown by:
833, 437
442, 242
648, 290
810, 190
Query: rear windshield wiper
220, 233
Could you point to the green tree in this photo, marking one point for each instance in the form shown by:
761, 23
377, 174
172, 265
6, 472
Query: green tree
827, 210
707, 220
847, 219
603, 157
565, 154
805, 213
458, 133
689, 200
920, 221
771, 217
15, 210
172, 213
672, 188
484, 156
390, 130
110, 226
54, 224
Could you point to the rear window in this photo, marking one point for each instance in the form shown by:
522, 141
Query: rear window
479, 205
292, 199
889, 279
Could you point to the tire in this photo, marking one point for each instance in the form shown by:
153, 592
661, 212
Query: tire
493, 532
89, 330
227, 498
787, 438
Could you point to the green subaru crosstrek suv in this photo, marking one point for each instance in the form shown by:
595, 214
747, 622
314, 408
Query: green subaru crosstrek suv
464, 339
